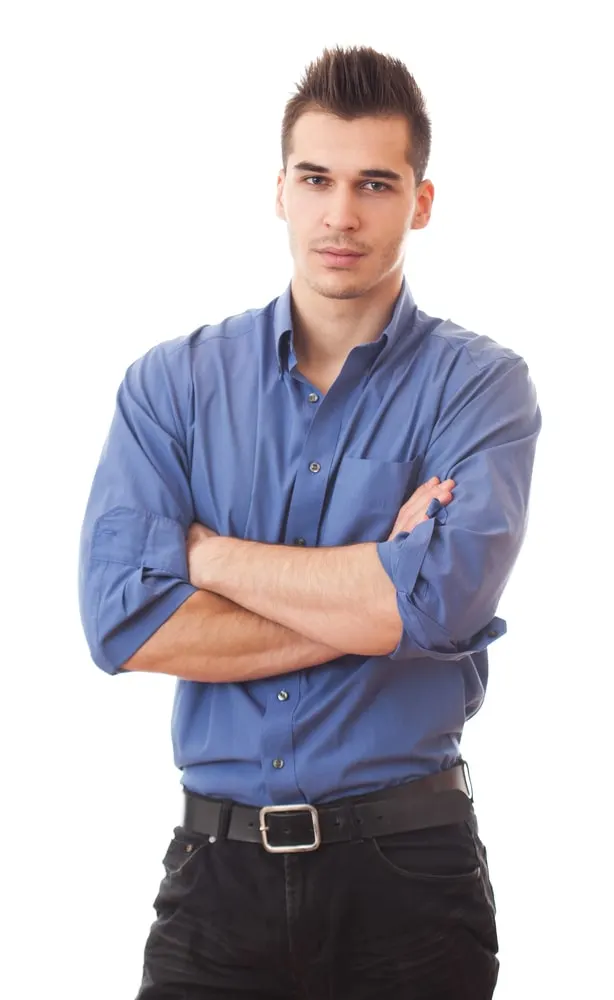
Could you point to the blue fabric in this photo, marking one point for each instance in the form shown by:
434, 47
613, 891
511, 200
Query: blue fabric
219, 427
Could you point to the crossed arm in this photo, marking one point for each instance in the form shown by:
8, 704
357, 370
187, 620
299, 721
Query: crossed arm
233, 610
263, 610
339, 596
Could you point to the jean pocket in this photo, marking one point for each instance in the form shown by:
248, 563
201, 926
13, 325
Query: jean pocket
181, 852
443, 854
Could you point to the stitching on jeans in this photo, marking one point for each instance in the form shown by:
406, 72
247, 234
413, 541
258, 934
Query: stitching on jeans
188, 857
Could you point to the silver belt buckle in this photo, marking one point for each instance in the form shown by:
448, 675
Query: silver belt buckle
291, 848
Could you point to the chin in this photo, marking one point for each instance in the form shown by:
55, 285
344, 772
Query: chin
338, 287
338, 284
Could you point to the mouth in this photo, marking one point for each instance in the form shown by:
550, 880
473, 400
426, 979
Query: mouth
340, 258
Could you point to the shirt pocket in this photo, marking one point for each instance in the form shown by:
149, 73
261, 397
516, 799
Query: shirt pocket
365, 499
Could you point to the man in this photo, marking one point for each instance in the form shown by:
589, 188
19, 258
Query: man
307, 514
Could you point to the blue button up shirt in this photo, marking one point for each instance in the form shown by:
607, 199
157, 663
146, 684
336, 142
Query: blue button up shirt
221, 427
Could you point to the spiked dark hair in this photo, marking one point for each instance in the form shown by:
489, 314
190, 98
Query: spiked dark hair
356, 83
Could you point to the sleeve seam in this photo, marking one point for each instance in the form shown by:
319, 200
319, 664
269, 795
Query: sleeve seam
141, 511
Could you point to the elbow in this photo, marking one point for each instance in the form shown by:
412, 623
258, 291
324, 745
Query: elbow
115, 657
422, 637
102, 645
121, 618
98, 654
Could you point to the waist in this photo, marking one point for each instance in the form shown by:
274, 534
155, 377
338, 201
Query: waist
434, 800
259, 782
343, 731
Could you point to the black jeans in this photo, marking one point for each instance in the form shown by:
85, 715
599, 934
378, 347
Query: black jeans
403, 917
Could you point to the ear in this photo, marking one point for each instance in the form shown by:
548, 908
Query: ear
279, 204
424, 205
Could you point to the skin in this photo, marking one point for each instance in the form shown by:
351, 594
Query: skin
336, 308
340, 596
263, 610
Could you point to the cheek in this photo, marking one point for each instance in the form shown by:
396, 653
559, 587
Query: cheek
394, 233
300, 228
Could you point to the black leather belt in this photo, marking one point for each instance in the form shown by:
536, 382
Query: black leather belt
434, 800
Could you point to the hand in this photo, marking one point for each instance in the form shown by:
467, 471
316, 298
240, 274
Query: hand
198, 536
413, 512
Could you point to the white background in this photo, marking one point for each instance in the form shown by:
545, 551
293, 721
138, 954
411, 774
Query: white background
141, 146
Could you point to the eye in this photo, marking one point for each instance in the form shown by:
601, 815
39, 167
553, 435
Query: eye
379, 184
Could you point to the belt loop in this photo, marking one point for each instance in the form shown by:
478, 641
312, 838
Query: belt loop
353, 826
467, 775
223, 821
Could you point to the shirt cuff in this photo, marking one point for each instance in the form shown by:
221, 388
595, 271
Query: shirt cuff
120, 646
440, 645
402, 557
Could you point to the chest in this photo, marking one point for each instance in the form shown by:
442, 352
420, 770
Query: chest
316, 459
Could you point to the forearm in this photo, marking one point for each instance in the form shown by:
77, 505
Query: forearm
340, 596
209, 638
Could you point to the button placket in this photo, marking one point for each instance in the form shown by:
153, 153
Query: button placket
310, 484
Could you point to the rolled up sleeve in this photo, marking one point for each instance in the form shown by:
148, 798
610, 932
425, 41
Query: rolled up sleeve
133, 571
449, 572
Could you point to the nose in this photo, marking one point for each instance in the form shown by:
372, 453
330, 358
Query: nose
341, 211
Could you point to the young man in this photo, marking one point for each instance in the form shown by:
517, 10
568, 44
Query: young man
308, 514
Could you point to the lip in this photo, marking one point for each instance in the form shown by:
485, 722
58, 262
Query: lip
340, 259
341, 253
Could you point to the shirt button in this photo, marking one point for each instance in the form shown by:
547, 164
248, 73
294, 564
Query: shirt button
315, 467
313, 397
299, 541
282, 695
278, 762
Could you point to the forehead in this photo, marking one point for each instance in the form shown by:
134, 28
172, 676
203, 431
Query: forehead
351, 145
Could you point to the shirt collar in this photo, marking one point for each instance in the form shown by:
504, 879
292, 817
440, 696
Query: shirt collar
400, 324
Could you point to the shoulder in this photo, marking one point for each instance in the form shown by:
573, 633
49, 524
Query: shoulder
176, 357
469, 348
470, 355
469, 364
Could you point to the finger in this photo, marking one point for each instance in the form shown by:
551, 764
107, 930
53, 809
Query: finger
424, 494
434, 483
414, 511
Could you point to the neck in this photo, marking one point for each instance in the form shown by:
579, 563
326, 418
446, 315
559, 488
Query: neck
327, 328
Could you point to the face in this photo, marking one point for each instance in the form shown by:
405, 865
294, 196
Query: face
346, 203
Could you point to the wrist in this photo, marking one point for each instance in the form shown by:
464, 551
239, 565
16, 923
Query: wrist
210, 560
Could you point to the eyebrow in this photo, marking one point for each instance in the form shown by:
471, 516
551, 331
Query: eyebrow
374, 173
